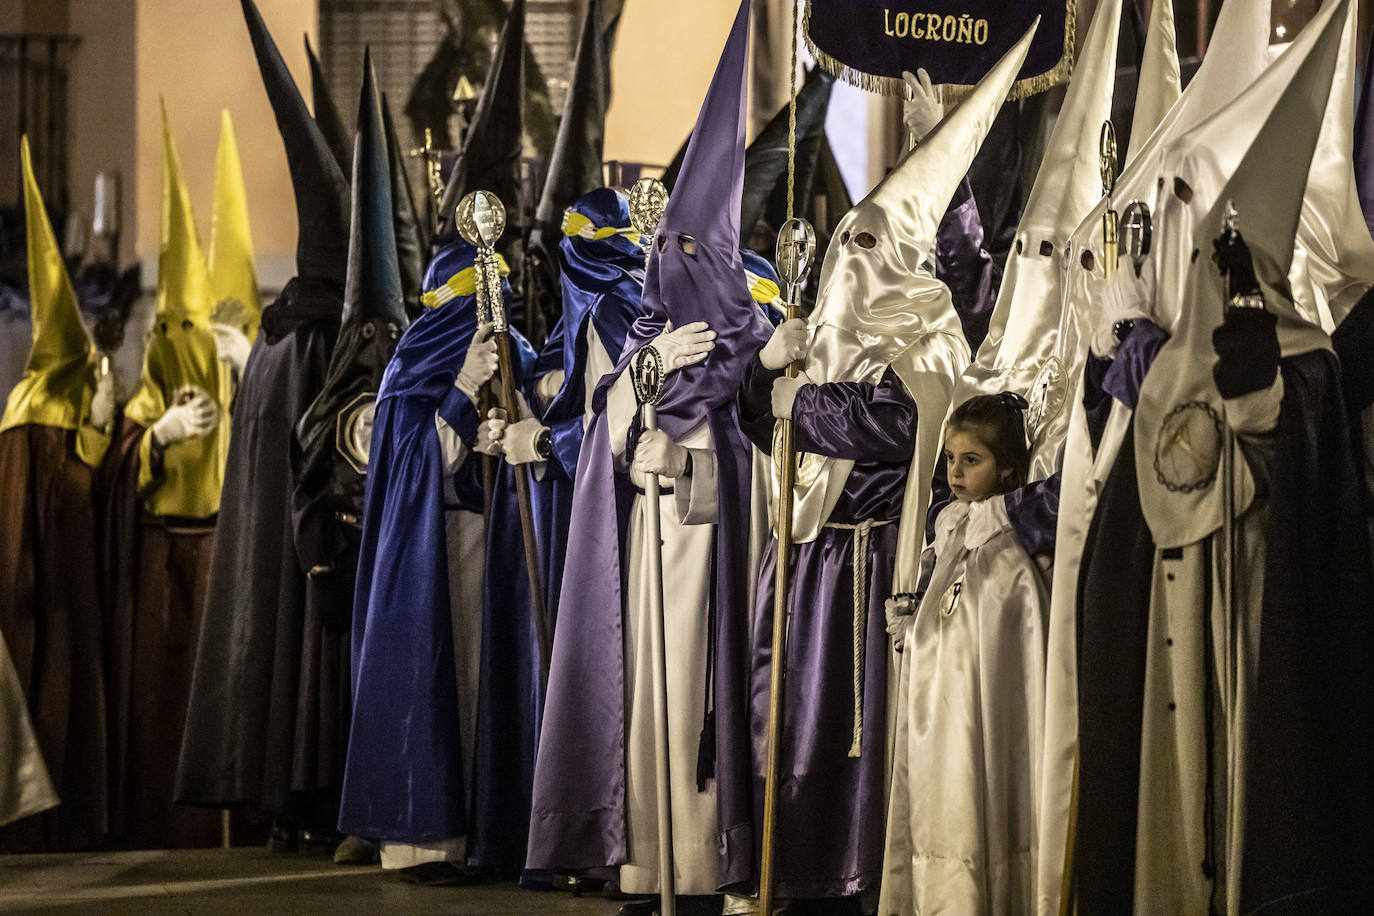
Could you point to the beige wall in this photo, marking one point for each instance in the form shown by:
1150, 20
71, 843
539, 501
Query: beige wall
102, 97
664, 56
197, 57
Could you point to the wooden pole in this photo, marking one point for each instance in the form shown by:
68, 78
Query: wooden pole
522, 492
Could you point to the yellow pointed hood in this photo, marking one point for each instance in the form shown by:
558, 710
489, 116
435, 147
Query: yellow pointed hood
181, 352
233, 276
183, 284
59, 377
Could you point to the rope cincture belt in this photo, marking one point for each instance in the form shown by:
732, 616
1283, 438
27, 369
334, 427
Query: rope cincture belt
860, 563
463, 283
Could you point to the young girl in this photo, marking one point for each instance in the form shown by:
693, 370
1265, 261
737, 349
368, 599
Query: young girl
961, 827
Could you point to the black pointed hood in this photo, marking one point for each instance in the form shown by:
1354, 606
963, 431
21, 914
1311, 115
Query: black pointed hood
412, 239
490, 158
322, 197
576, 165
765, 162
327, 113
374, 277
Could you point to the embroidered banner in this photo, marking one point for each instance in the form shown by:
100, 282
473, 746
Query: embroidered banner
870, 42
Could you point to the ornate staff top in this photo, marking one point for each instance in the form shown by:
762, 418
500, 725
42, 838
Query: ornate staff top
796, 252
648, 201
1110, 238
481, 219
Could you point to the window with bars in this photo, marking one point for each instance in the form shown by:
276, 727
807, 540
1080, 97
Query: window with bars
403, 36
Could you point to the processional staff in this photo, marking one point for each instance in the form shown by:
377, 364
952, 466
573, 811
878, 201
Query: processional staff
648, 200
795, 254
481, 219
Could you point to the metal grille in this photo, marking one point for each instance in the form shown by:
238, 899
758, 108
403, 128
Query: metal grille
403, 35
33, 100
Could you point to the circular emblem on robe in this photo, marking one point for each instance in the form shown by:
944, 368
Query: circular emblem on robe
354, 430
1046, 395
1188, 450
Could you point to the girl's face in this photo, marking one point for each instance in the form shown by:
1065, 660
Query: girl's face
972, 471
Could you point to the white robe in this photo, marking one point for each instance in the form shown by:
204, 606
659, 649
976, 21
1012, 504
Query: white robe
1084, 475
962, 814
687, 522
1201, 660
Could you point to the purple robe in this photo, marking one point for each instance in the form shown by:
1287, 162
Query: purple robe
831, 806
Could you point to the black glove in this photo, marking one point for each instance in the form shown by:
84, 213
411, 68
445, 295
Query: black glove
1247, 346
1232, 257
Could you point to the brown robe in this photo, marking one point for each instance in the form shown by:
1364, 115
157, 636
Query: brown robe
157, 570
50, 616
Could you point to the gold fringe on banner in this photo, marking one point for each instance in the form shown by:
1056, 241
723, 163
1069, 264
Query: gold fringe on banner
951, 92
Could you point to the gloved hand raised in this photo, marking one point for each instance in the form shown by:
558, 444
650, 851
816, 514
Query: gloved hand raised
194, 413
787, 345
684, 346
658, 454
232, 345
480, 363
923, 110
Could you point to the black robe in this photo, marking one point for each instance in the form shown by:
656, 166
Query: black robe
1309, 828
241, 739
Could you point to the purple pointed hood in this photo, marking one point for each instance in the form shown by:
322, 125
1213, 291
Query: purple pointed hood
695, 272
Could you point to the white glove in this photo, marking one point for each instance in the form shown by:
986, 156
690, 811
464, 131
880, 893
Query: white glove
479, 365
1124, 297
194, 414
489, 432
518, 441
232, 346
658, 454
923, 110
900, 613
785, 394
550, 385
687, 345
103, 402
787, 345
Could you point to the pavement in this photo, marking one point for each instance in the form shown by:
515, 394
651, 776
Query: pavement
251, 880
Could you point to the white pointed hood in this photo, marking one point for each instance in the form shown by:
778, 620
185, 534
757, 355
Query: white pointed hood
1255, 152
1160, 83
880, 305
1019, 353
1237, 55
1334, 263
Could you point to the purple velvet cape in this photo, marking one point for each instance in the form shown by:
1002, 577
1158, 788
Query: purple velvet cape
695, 274
578, 817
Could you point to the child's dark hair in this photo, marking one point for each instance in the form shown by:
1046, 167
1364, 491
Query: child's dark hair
999, 421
